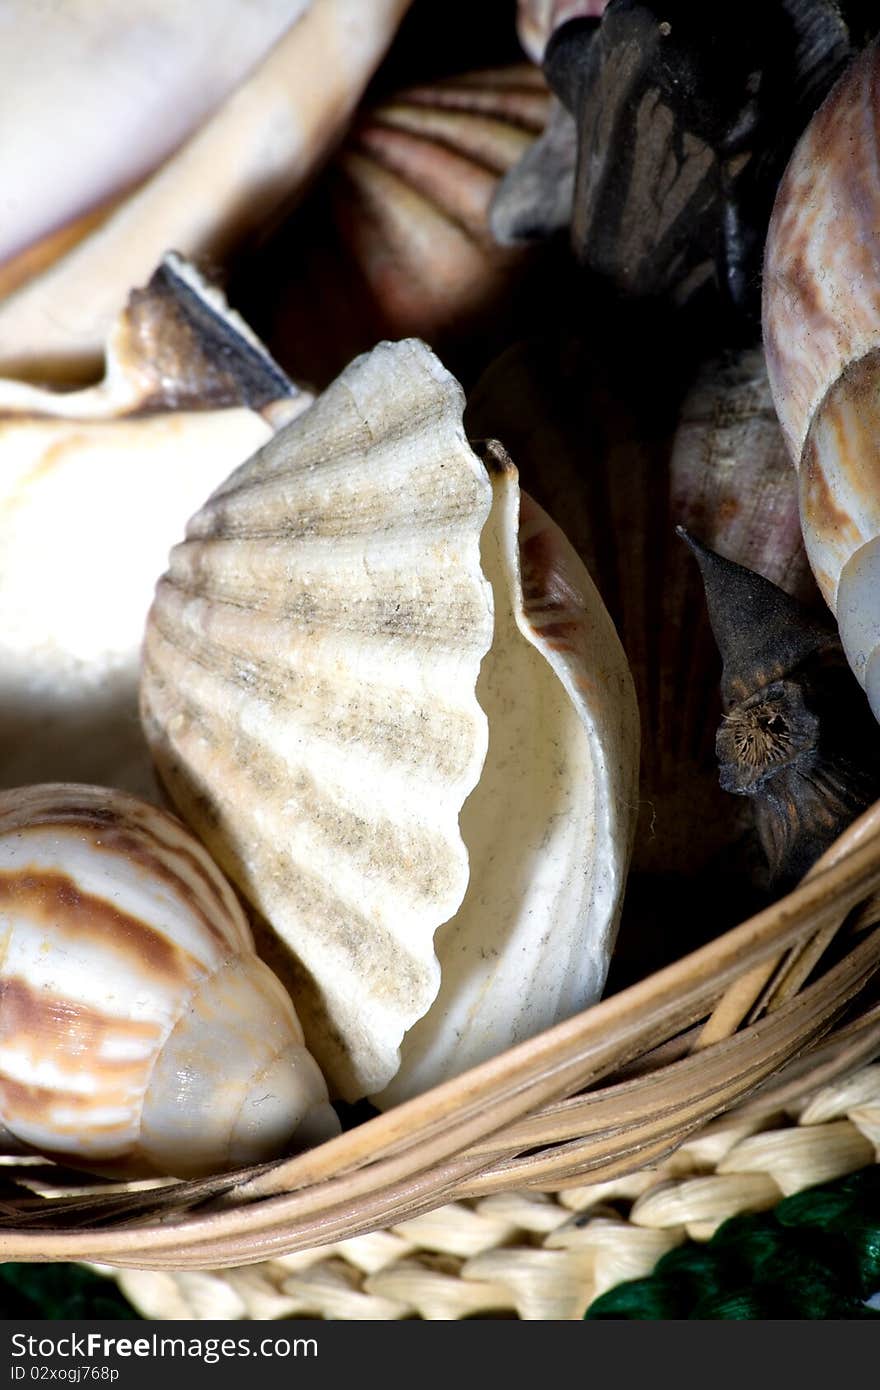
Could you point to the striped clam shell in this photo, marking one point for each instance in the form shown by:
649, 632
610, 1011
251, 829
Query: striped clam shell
821, 318
139, 1032
346, 695
395, 239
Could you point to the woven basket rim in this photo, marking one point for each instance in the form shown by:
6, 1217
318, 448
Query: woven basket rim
467, 1135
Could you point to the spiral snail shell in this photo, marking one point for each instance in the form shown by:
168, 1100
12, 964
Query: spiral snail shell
821, 315
139, 1031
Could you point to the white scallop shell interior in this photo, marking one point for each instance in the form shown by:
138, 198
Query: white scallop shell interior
313, 695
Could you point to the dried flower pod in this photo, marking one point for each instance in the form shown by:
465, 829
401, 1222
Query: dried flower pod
797, 735
612, 459
685, 117
385, 692
141, 1034
95, 486
822, 338
251, 154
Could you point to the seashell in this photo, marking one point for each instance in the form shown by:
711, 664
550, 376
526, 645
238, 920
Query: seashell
140, 1032
161, 68
251, 154
624, 466
685, 118
797, 735
394, 241
822, 337
95, 486
536, 20
388, 721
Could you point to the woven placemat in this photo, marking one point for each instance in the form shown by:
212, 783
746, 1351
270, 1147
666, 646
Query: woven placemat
537, 1255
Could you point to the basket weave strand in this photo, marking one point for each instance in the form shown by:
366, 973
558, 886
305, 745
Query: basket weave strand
602, 1095
536, 1256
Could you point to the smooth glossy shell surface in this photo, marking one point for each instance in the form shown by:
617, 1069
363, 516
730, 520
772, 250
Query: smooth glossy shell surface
139, 1032
158, 66
821, 307
822, 336
254, 152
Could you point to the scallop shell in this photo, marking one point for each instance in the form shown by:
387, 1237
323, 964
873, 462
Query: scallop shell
94, 488
253, 153
395, 240
379, 727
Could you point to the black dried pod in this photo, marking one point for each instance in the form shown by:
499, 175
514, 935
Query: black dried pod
797, 735
686, 114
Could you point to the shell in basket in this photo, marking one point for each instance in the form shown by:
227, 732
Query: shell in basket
247, 157
188, 393
140, 1031
351, 653
394, 240
822, 337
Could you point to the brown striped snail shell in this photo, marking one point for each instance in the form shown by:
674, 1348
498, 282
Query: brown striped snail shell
821, 315
139, 1031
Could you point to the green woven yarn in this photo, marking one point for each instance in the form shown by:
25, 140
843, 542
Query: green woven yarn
816, 1255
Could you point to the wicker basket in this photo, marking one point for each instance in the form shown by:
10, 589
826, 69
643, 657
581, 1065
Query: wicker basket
785, 1002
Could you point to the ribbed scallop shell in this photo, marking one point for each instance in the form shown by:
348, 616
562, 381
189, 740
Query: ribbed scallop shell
395, 239
320, 703
138, 1031
95, 486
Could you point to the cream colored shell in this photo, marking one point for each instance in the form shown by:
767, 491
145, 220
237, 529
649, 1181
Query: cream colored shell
822, 338
139, 1032
250, 154
95, 486
318, 697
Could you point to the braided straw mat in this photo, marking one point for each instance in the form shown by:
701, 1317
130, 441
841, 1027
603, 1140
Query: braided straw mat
533, 1255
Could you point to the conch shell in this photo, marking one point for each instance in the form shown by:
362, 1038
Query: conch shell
383, 690
822, 335
95, 486
253, 153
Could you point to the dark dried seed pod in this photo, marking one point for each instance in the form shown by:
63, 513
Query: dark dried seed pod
797, 735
